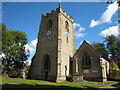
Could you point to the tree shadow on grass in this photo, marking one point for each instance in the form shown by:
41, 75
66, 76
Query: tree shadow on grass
38, 86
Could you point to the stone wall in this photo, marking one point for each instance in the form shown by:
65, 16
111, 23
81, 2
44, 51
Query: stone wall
56, 46
46, 45
66, 49
94, 71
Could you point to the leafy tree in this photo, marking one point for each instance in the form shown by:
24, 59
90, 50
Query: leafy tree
109, 49
0, 46
112, 45
100, 47
13, 47
118, 52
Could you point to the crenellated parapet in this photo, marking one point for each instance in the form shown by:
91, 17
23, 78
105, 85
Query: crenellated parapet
58, 10
67, 16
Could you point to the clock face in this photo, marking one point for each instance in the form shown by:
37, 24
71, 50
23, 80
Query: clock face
67, 34
48, 33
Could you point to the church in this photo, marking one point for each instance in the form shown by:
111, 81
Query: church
56, 56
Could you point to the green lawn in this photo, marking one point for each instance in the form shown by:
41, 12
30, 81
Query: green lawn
93, 82
25, 83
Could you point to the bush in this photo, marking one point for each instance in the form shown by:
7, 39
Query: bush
13, 73
114, 72
69, 78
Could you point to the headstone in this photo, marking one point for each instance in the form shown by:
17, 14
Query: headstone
22, 74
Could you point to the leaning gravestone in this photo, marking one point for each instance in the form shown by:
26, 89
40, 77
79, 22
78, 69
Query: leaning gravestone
22, 74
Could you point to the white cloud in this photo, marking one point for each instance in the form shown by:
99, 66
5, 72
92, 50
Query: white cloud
81, 29
78, 32
106, 16
32, 46
78, 35
109, 31
93, 23
76, 25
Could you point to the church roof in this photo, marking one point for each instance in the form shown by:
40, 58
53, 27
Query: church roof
86, 46
85, 43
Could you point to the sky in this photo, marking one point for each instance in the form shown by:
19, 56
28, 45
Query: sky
56, 0
92, 20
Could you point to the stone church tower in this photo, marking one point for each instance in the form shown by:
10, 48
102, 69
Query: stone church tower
55, 47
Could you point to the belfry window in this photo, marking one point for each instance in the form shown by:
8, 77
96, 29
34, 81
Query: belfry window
67, 26
49, 24
46, 62
67, 30
86, 59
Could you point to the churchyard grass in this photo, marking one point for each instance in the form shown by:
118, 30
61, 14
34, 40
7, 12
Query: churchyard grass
87, 82
25, 83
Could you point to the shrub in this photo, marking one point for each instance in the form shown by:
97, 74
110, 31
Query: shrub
114, 72
69, 78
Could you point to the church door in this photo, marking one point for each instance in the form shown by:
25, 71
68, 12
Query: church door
46, 65
46, 75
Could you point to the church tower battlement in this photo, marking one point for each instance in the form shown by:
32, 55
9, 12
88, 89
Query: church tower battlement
55, 47
58, 10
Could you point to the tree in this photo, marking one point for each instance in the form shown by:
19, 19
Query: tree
112, 46
100, 47
13, 47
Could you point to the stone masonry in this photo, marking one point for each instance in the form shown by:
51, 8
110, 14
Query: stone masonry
56, 56
59, 45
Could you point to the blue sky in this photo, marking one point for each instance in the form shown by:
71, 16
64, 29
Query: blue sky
92, 20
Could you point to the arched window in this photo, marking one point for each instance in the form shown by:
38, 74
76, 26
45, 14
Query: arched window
67, 29
49, 24
46, 62
86, 59
67, 26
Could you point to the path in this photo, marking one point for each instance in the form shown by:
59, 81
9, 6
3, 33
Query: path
103, 85
108, 86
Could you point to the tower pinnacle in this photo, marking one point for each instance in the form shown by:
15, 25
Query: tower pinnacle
60, 6
43, 13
